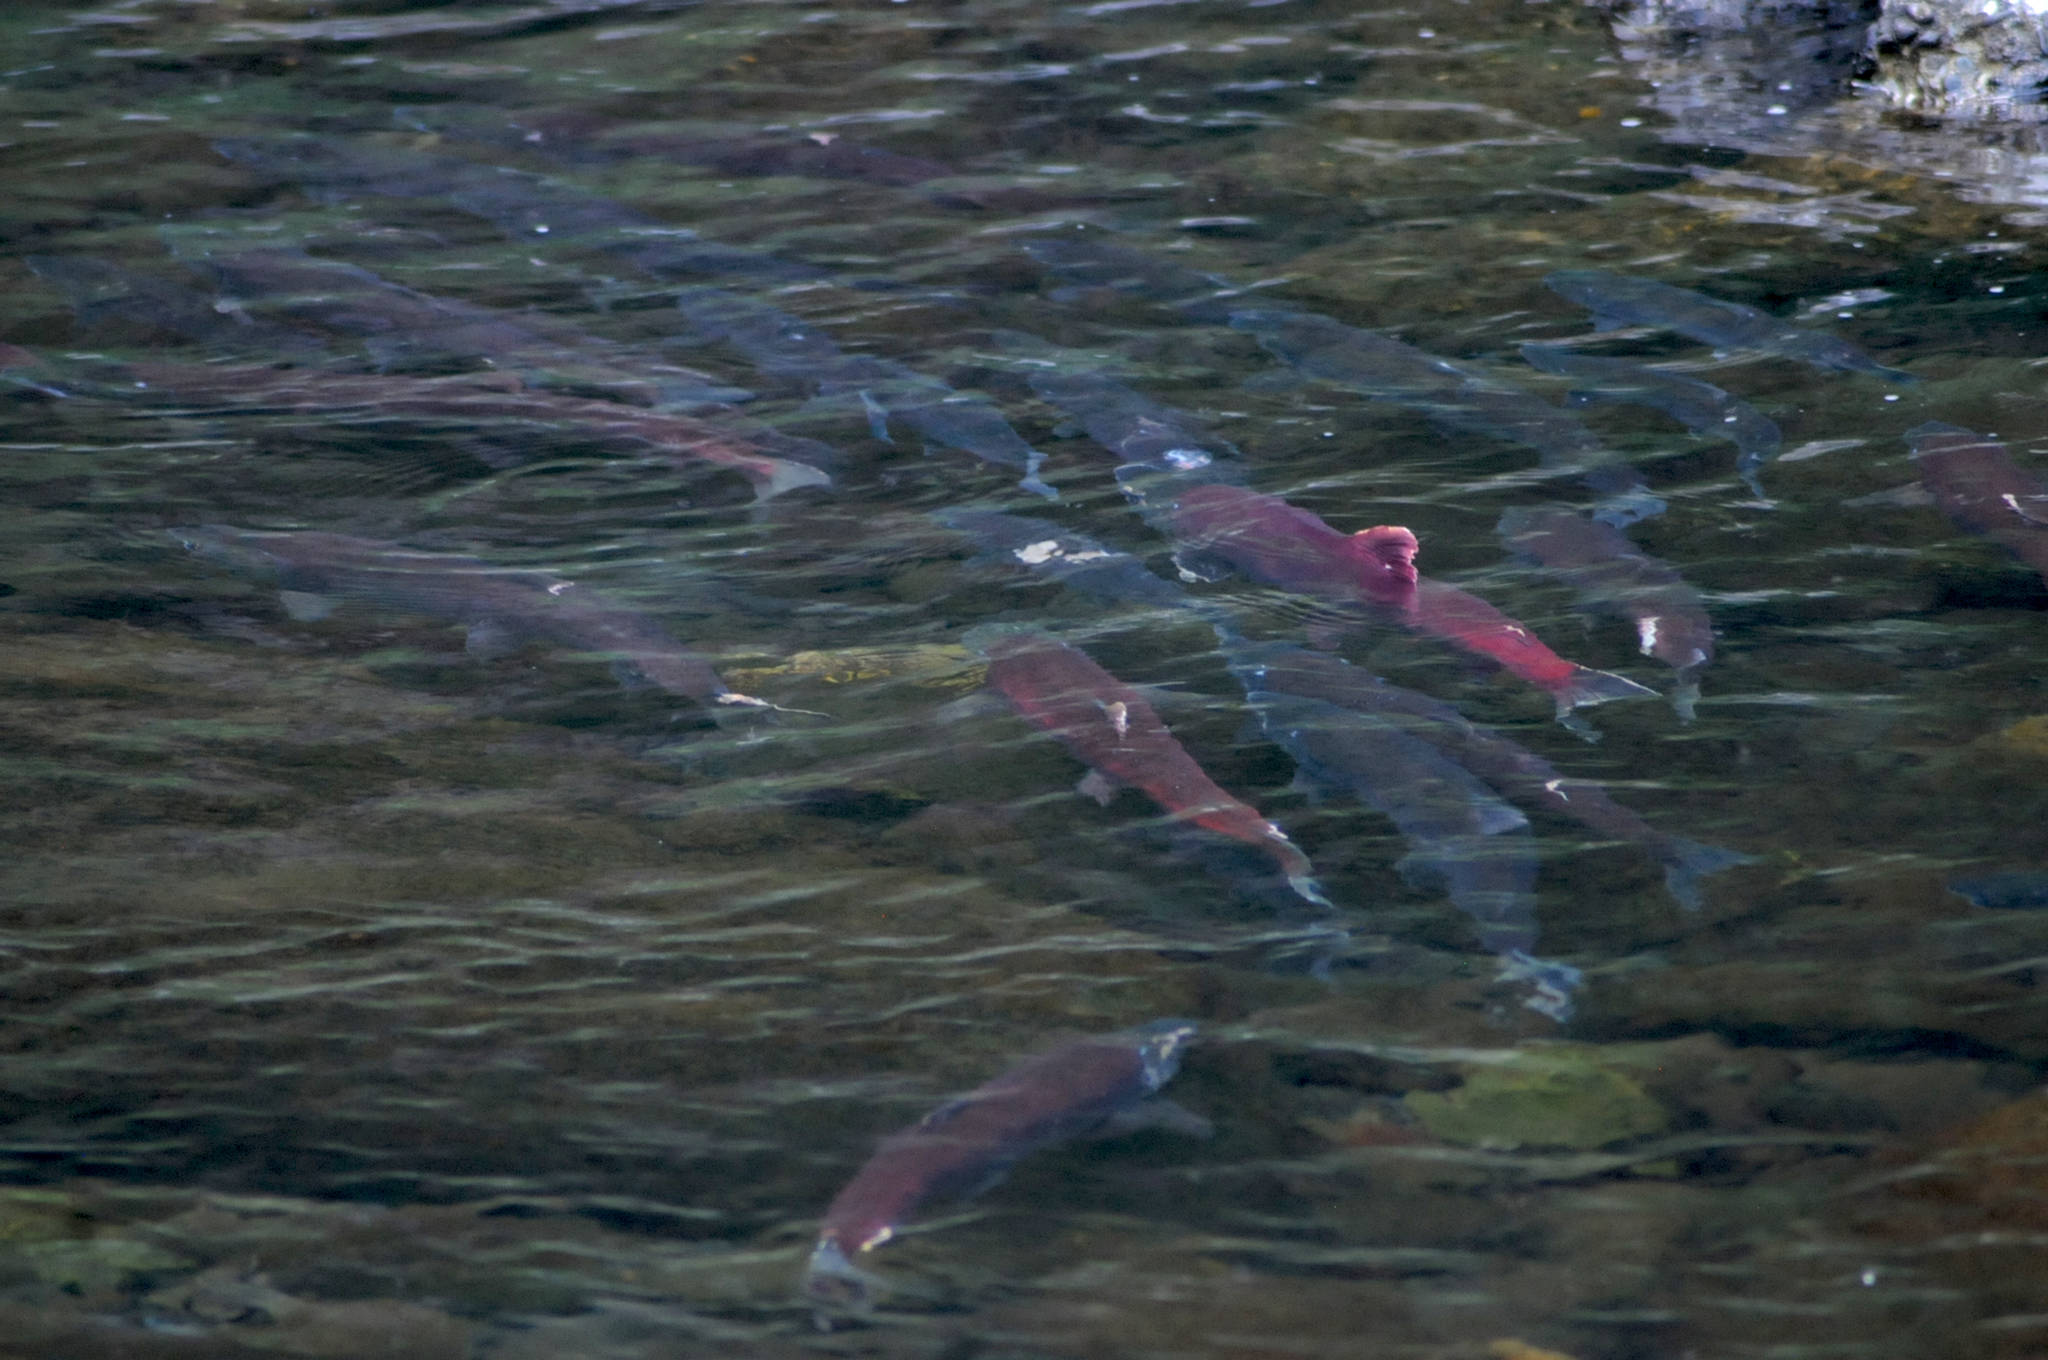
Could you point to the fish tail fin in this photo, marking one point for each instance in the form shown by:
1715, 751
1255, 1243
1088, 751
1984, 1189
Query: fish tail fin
1586, 687
786, 474
1685, 698
1551, 982
1629, 507
1032, 482
1306, 888
1687, 862
833, 1282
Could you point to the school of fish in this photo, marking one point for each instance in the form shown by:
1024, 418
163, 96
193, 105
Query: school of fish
246, 327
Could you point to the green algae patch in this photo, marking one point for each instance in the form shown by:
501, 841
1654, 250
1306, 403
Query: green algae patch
99, 1265
1556, 1096
2028, 736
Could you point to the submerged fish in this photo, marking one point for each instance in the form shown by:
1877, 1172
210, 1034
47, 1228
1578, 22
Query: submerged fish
101, 291
1701, 407
1978, 485
1462, 839
2006, 890
1114, 730
1089, 261
1505, 765
778, 343
1280, 544
1612, 575
484, 401
584, 136
1457, 398
1137, 429
1074, 560
401, 326
1621, 300
1111, 577
497, 607
525, 207
957, 1149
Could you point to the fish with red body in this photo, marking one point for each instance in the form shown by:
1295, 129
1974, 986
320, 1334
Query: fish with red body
1269, 540
1113, 730
1067, 1092
1977, 484
1611, 574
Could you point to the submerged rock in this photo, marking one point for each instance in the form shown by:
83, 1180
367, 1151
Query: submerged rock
1975, 58
1556, 1095
2028, 736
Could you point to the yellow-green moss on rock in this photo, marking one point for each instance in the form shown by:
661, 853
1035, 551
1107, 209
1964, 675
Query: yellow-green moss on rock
1557, 1096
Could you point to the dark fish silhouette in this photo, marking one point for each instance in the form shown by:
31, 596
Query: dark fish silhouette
1701, 407
496, 606
403, 327
1137, 429
778, 343
593, 136
481, 402
965, 1144
102, 292
2007, 890
1114, 730
1092, 260
1978, 485
1505, 765
1622, 300
1463, 840
524, 206
1612, 575
1074, 560
1457, 398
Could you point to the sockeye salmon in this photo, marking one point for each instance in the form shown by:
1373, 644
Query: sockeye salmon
1111, 577
401, 327
778, 343
494, 605
1507, 766
1269, 540
1612, 575
1701, 407
1114, 730
1068, 1092
1979, 486
482, 401
1620, 300
1457, 398
528, 208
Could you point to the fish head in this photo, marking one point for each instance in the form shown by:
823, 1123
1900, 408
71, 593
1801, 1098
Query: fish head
1384, 557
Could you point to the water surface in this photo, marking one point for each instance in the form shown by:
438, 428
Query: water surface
367, 986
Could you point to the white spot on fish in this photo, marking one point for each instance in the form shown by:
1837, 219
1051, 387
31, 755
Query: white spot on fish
1046, 550
1556, 786
1119, 717
560, 586
1187, 458
2012, 503
1646, 629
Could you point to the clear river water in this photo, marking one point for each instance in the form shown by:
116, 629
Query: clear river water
419, 956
